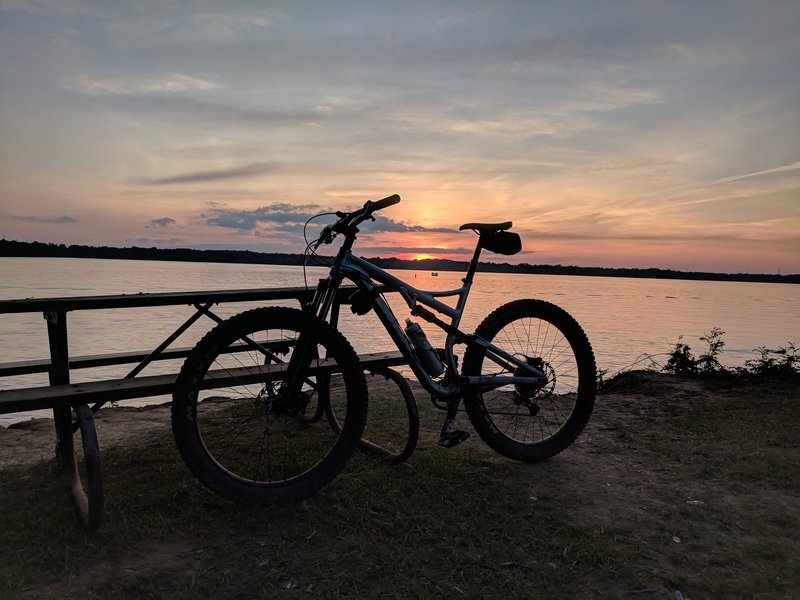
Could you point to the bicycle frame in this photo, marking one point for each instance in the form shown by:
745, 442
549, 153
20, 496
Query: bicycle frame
282, 415
363, 274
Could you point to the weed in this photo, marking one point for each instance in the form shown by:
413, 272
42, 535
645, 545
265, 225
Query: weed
681, 360
601, 380
783, 361
774, 362
709, 361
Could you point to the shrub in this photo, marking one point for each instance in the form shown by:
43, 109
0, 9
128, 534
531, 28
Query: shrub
681, 360
709, 362
784, 360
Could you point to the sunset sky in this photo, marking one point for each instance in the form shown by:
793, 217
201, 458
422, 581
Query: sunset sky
620, 134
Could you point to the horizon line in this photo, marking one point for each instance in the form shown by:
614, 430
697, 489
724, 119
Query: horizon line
411, 260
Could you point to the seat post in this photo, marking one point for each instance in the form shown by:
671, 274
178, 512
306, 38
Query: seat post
473, 265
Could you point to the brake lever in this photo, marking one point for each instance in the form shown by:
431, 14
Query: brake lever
326, 237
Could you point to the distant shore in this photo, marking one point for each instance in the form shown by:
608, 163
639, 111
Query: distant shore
11, 248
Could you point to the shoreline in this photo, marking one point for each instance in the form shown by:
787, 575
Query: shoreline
24, 444
15, 249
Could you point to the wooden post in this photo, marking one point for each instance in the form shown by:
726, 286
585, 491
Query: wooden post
90, 508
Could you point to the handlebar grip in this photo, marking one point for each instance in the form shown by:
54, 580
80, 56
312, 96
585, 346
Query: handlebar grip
385, 202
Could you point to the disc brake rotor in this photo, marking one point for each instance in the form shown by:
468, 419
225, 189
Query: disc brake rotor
529, 394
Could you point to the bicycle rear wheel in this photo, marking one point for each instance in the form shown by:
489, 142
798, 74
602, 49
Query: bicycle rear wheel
247, 415
531, 422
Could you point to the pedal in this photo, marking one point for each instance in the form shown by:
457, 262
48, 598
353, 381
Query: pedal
453, 438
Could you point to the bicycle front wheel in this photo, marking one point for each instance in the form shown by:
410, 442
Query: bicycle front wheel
247, 413
532, 422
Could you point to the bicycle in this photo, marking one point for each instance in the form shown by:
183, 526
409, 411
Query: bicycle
271, 403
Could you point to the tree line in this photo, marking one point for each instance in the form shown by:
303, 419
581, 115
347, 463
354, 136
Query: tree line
11, 248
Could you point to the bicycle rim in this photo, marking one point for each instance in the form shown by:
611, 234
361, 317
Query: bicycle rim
249, 437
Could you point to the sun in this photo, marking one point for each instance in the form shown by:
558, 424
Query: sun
423, 256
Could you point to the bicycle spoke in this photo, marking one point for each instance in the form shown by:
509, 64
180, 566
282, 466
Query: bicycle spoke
248, 433
517, 418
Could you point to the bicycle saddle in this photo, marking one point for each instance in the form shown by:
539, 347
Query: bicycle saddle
486, 227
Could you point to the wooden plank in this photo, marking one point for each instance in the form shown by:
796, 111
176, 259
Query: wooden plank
113, 390
67, 304
26, 367
35, 398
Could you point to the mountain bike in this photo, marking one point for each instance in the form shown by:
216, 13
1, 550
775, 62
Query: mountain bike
271, 403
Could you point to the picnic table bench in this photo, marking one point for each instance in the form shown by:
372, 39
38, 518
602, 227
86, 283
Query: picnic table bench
70, 401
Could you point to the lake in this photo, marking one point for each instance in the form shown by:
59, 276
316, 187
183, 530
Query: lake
624, 318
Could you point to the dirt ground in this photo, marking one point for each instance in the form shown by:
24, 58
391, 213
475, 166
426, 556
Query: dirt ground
684, 469
29, 442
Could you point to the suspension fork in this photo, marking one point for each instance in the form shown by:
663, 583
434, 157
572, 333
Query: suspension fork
306, 351
322, 302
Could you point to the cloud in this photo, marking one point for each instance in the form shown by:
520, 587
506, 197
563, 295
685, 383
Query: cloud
791, 167
252, 170
195, 111
384, 224
219, 25
170, 84
276, 213
291, 218
394, 250
149, 242
64, 219
162, 222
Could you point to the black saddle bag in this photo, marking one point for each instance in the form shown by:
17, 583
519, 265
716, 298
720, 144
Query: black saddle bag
502, 242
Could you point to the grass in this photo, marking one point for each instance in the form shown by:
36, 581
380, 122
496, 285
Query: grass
667, 491
443, 522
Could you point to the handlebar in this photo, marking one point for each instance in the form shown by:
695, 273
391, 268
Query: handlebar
349, 221
385, 202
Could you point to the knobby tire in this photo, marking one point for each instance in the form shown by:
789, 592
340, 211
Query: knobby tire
526, 422
251, 441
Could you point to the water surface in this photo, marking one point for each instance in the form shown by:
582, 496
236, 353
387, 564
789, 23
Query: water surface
624, 318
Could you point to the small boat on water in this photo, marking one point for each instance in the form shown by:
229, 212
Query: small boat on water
434, 274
